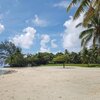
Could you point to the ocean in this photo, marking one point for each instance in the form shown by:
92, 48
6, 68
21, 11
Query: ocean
2, 71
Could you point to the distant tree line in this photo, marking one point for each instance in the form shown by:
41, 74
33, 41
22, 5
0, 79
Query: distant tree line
13, 56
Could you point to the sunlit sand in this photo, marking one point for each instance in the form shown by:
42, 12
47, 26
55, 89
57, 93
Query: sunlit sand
51, 83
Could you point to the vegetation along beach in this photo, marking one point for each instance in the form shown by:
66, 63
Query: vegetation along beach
50, 50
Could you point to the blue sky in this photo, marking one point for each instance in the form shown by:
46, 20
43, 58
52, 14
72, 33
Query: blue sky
39, 25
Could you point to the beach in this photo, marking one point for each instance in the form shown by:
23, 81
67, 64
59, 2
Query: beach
50, 83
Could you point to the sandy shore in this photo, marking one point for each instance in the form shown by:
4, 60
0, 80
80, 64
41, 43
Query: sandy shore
51, 84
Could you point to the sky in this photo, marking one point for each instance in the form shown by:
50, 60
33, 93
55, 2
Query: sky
39, 25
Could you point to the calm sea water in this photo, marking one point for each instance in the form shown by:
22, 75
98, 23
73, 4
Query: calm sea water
2, 71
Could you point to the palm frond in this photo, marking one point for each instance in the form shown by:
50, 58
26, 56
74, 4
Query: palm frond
94, 40
88, 16
81, 8
81, 24
72, 3
85, 40
95, 20
85, 32
96, 3
89, 25
78, 25
82, 42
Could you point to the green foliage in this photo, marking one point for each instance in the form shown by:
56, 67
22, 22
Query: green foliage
85, 56
6, 49
91, 32
90, 55
89, 7
44, 58
98, 59
11, 54
39, 59
75, 58
32, 60
59, 59
16, 59
91, 20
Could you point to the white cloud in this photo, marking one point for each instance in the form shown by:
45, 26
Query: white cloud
45, 39
25, 40
39, 22
62, 4
71, 35
2, 28
53, 44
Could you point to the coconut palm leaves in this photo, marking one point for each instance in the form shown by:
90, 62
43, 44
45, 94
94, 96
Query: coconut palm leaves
86, 36
92, 32
90, 7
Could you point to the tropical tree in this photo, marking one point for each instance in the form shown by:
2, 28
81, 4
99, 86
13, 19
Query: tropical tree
17, 59
75, 58
61, 59
93, 53
44, 58
98, 59
85, 56
6, 49
30, 60
90, 7
91, 32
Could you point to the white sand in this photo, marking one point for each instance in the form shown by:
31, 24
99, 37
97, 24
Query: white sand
51, 84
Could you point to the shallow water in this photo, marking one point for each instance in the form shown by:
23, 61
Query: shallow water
2, 72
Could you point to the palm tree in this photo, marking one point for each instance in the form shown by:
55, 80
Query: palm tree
87, 6
92, 32
85, 56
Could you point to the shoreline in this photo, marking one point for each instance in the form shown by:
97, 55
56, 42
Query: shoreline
4, 71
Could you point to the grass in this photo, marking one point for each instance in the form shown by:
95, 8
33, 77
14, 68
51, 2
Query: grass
73, 65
